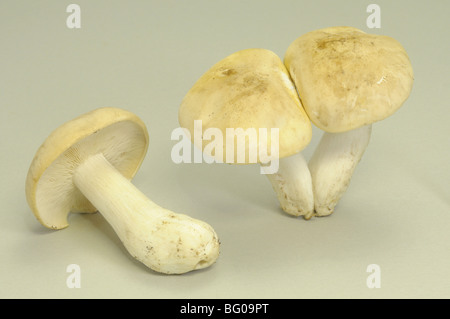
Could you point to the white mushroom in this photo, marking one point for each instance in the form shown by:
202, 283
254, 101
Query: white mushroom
251, 90
347, 80
86, 165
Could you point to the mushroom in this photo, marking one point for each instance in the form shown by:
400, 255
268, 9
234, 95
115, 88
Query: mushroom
251, 91
86, 165
347, 80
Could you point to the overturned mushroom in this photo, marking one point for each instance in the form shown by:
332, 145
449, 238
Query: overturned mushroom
86, 165
251, 91
347, 80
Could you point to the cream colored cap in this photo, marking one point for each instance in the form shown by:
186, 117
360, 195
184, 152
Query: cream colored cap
347, 78
250, 89
118, 134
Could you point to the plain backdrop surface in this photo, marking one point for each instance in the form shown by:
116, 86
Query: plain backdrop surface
144, 56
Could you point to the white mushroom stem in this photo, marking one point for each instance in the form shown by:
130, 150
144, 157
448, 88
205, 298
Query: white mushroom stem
293, 186
161, 239
332, 166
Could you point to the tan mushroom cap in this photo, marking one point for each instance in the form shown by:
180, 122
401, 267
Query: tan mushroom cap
250, 89
118, 134
347, 78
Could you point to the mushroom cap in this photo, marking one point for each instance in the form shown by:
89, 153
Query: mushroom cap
118, 134
347, 78
249, 89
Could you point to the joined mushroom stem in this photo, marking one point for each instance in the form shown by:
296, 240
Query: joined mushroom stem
332, 166
161, 239
293, 186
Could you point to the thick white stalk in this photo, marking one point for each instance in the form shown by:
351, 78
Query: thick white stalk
332, 166
161, 239
293, 186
